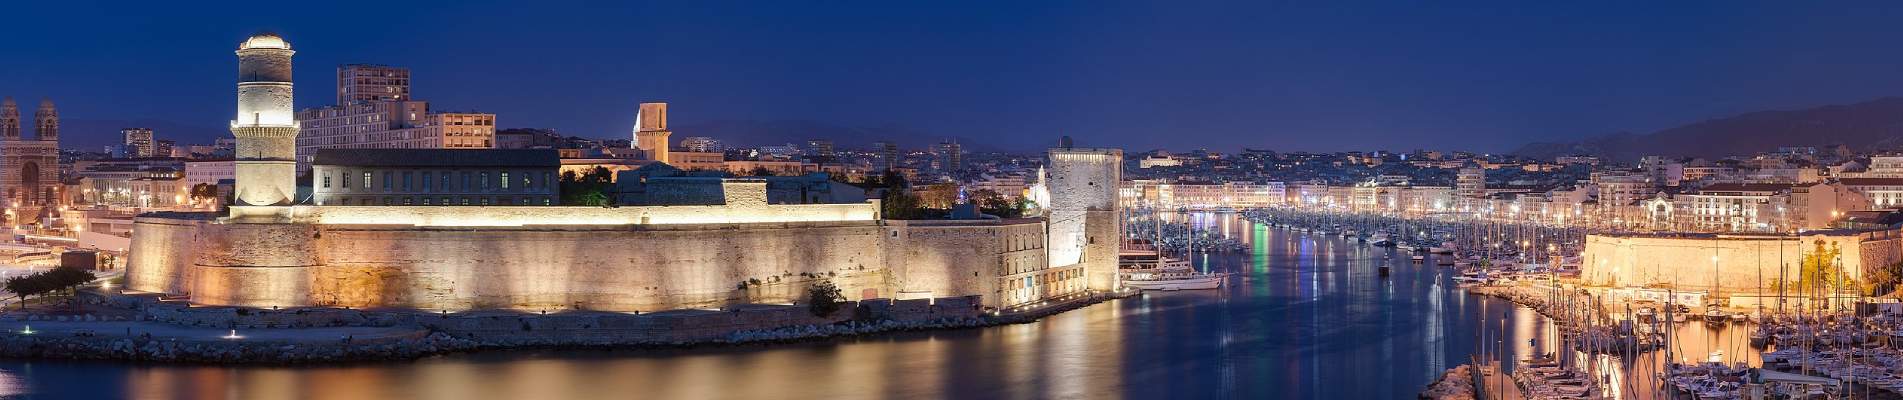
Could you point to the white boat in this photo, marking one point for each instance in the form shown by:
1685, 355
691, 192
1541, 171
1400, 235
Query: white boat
1645, 313
1170, 281
1146, 268
1380, 239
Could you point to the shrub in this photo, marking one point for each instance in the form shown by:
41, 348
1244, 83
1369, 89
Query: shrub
823, 298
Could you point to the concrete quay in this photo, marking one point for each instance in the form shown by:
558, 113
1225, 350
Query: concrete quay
141, 327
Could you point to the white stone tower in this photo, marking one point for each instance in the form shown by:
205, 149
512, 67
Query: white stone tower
265, 126
650, 130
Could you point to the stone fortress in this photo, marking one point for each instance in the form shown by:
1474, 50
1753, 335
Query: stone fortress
275, 250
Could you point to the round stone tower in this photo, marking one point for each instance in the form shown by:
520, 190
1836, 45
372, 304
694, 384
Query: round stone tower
265, 126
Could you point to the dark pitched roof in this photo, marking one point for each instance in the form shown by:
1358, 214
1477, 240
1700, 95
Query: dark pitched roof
1744, 187
438, 157
1871, 181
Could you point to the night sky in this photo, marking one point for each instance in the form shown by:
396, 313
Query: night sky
1137, 75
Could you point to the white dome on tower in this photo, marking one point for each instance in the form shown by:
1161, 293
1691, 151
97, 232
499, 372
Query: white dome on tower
264, 41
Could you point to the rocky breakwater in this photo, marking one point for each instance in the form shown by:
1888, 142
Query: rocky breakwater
167, 331
226, 351
1455, 384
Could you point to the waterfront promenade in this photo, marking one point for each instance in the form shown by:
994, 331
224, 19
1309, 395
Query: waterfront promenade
1496, 385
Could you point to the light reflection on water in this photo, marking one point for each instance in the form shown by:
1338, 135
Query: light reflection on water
1308, 317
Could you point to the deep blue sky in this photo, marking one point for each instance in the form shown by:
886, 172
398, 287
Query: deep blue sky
1320, 75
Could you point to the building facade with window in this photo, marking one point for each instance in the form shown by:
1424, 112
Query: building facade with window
435, 177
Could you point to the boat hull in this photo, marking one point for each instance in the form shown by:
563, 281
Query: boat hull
1196, 283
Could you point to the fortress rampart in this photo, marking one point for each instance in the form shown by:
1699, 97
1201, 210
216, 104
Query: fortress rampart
424, 258
1730, 263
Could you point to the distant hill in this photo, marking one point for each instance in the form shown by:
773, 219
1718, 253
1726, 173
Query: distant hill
1870, 125
95, 134
748, 133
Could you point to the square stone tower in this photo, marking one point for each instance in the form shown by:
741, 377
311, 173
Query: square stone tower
650, 131
1085, 222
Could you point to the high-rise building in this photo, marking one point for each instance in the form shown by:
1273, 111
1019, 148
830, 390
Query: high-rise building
137, 141
1471, 182
888, 155
163, 148
372, 82
950, 154
702, 144
265, 126
819, 147
650, 130
374, 110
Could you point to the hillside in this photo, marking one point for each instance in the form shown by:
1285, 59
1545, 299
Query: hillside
1875, 124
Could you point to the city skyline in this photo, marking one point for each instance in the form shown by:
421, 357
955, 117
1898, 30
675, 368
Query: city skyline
1486, 79
965, 200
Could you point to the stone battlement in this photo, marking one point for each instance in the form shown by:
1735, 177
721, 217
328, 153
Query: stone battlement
743, 213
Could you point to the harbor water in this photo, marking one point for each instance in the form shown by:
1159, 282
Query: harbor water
1303, 317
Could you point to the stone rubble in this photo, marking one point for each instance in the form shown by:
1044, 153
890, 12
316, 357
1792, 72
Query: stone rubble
1455, 384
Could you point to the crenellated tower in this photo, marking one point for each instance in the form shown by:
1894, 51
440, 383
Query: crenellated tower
265, 126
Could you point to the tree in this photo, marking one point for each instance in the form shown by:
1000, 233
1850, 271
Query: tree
1883, 280
1821, 270
23, 286
58, 279
990, 202
893, 180
760, 170
823, 298
66, 278
937, 196
898, 204
204, 192
589, 189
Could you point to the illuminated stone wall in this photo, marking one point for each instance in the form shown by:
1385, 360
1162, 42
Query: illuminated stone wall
1745, 263
164, 251
991, 259
610, 268
602, 267
1085, 227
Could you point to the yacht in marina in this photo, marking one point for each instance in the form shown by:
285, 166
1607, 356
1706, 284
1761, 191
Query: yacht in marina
1149, 270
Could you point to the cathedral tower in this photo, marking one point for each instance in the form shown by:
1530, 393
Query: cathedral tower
46, 122
29, 167
9, 118
265, 126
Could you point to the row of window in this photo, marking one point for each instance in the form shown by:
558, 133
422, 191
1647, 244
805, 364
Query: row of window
1030, 288
444, 201
439, 181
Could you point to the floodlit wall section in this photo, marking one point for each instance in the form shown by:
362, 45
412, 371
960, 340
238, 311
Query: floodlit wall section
1733, 264
598, 267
